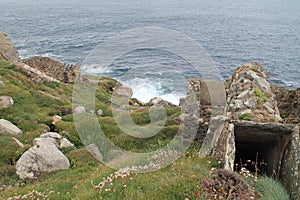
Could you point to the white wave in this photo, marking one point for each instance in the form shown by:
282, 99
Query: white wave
145, 89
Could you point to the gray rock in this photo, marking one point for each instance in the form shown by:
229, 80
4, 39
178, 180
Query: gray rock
58, 140
269, 109
79, 109
91, 112
7, 128
6, 102
20, 144
55, 137
2, 84
93, 149
7, 50
250, 103
43, 157
263, 84
99, 112
243, 94
64, 143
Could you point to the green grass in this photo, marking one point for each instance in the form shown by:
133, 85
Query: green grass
258, 93
245, 117
268, 189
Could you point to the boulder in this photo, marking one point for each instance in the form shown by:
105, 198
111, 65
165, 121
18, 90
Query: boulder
7, 128
99, 112
7, 50
2, 84
57, 139
79, 109
43, 157
6, 102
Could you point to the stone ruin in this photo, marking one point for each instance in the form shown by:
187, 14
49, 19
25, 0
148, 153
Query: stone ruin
250, 132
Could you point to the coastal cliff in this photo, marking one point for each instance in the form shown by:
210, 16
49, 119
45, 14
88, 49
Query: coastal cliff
252, 119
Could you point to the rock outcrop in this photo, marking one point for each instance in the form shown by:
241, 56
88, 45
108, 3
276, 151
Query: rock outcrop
43, 157
38, 65
6, 102
7, 50
7, 128
288, 101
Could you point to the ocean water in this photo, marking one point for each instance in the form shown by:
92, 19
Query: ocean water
232, 32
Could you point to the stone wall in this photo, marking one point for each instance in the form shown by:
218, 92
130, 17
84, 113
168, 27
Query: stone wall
252, 129
250, 96
59, 71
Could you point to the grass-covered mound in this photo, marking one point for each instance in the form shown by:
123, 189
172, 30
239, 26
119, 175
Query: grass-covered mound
35, 104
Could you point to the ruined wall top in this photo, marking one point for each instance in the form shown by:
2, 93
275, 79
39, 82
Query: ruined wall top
250, 96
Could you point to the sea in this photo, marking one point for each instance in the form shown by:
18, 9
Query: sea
230, 33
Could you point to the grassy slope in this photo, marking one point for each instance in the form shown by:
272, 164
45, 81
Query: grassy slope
32, 112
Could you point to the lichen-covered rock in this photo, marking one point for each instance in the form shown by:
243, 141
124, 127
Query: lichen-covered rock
250, 97
7, 128
7, 50
6, 102
43, 157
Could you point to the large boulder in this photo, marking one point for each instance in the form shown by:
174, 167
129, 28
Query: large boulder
6, 102
43, 157
7, 128
7, 50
